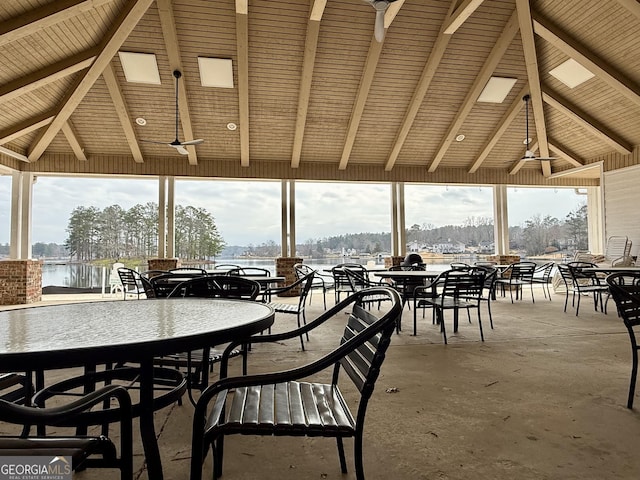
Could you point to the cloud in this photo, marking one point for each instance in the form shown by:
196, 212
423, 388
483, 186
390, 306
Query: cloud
249, 211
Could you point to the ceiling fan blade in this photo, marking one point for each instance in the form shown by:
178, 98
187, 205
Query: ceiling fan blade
379, 28
193, 142
181, 150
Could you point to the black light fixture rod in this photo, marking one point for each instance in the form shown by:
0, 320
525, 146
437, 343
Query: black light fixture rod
526, 110
177, 74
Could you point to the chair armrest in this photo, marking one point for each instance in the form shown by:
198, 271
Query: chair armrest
61, 415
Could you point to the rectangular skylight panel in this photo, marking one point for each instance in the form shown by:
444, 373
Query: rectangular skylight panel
140, 67
497, 89
571, 73
216, 72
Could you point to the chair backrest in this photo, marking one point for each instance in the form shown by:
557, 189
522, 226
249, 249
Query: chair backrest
577, 273
226, 266
133, 282
460, 284
301, 270
459, 266
617, 247
565, 273
625, 290
252, 271
217, 286
544, 271
523, 271
370, 337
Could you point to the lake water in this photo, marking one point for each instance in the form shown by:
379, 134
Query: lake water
84, 275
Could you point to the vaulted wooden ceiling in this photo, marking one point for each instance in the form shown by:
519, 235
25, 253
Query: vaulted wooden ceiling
315, 95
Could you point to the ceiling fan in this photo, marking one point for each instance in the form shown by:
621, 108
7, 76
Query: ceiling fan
380, 7
528, 154
177, 144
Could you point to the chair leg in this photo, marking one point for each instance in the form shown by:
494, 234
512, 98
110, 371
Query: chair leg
357, 455
634, 374
218, 452
489, 309
343, 461
480, 324
578, 305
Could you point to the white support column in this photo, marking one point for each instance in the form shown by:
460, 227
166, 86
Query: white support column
162, 217
171, 217
15, 244
284, 219
395, 241
28, 180
500, 220
292, 218
595, 219
402, 232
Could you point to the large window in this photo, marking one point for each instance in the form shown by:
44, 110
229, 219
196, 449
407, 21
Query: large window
246, 213
5, 214
342, 219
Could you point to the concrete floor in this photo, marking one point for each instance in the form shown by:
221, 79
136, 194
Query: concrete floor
542, 398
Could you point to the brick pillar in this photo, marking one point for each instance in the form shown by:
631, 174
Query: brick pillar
503, 259
392, 261
162, 263
284, 267
20, 282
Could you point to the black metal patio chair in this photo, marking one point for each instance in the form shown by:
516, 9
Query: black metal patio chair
291, 402
625, 291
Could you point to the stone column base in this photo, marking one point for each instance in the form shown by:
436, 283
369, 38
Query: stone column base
162, 263
393, 261
284, 267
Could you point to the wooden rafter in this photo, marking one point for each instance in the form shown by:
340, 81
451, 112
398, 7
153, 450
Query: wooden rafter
47, 75
308, 63
498, 50
123, 114
71, 135
28, 126
576, 170
561, 153
43, 17
242, 49
10, 153
461, 14
503, 125
373, 57
170, 34
587, 59
632, 5
122, 27
588, 123
531, 62
428, 72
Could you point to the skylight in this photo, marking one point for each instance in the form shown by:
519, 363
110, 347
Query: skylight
497, 89
140, 67
571, 73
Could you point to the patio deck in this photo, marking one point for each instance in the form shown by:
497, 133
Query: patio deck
542, 398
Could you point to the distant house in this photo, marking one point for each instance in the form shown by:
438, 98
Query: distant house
449, 247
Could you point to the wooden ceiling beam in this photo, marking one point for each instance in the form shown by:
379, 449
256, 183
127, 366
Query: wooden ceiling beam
428, 72
483, 76
632, 5
120, 30
576, 170
506, 120
587, 59
242, 52
43, 17
308, 64
531, 62
565, 155
71, 135
588, 123
170, 35
461, 14
123, 112
27, 126
10, 153
47, 75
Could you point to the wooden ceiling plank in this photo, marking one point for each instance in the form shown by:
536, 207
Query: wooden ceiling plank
47, 75
71, 135
123, 114
170, 35
464, 11
632, 5
590, 124
242, 49
421, 90
498, 50
308, 64
122, 27
509, 116
587, 59
373, 56
43, 17
28, 126
564, 155
531, 62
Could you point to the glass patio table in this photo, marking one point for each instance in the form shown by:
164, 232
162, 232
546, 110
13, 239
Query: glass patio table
79, 334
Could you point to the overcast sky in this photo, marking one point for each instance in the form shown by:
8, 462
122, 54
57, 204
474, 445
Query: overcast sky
249, 212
